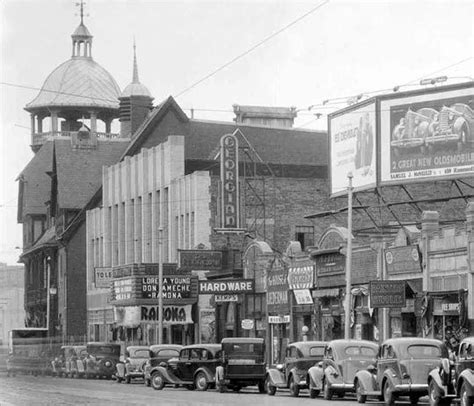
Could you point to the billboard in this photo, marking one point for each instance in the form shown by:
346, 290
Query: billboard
427, 136
353, 148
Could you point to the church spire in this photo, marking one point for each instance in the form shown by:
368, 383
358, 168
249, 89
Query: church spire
135, 65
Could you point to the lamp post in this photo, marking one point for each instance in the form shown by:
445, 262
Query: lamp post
160, 286
305, 330
347, 329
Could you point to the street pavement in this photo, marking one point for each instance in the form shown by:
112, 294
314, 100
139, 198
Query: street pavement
45, 390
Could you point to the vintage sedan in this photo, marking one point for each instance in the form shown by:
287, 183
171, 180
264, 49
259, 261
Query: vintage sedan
293, 373
102, 359
454, 380
243, 364
194, 369
402, 369
70, 361
133, 366
334, 375
165, 354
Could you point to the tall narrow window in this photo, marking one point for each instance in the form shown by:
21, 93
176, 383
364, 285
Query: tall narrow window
305, 236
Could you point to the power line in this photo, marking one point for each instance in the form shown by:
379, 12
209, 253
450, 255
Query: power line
225, 65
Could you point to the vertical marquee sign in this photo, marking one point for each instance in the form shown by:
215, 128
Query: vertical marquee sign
230, 216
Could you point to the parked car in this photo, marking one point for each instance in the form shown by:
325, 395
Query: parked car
194, 369
70, 361
293, 373
102, 359
454, 380
401, 369
158, 354
243, 364
133, 365
453, 124
342, 359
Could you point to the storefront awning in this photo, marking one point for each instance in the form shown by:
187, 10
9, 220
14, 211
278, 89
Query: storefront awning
334, 292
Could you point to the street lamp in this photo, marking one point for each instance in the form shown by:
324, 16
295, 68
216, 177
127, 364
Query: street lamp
305, 330
347, 305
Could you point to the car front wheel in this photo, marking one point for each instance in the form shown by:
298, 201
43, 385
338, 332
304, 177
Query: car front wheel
157, 381
313, 393
361, 398
433, 394
388, 394
201, 382
271, 390
294, 388
464, 399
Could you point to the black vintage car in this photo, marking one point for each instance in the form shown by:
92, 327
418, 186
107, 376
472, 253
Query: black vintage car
160, 353
194, 369
454, 380
243, 364
102, 359
293, 373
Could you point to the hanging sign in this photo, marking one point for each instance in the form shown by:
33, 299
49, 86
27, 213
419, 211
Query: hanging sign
387, 294
301, 277
248, 324
226, 298
103, 277
200, 260
226, 286
279, 319
303, 296
230, 216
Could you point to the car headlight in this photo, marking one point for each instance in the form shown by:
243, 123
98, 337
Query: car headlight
108, 364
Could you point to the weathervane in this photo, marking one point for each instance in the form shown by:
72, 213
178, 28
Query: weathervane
81, 4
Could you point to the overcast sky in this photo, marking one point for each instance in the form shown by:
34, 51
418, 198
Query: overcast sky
341, 48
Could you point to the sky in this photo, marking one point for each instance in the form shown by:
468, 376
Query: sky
210, 55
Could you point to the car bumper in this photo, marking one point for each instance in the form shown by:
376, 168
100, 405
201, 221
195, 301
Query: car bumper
408, 387
346, 387
441, 139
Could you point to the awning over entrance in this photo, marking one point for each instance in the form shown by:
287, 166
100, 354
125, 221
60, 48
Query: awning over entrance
334, 292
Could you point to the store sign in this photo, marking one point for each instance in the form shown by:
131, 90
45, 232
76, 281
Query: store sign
230, 216
279, 319
174, 287
226, 286
226, 298
171, 314
103, 277
303, 296
200, 260
450, 307
124, 289
401, 260
127, 316
387, 294
248, 324
301, 277
277, 289
330, 264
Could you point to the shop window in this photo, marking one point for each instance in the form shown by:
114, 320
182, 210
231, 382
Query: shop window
325, 303
305, 236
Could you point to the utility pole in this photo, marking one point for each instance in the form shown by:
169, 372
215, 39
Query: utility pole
347, 329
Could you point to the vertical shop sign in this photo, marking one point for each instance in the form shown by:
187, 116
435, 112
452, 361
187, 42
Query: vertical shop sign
230, 217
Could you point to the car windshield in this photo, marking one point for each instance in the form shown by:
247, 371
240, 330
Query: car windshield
316, 351
141, 353
361, 352
166, 353
424, 351
103, 350
243, 348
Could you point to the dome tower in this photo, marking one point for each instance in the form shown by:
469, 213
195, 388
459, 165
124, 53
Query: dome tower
77, 92
135, 102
